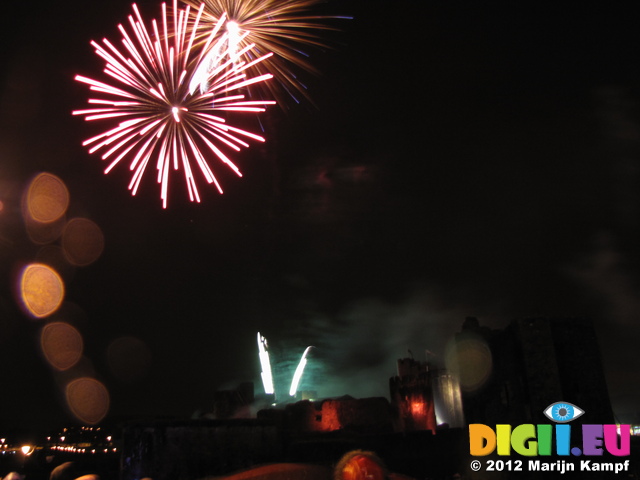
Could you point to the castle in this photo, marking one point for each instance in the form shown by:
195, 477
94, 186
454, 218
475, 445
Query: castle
497, 376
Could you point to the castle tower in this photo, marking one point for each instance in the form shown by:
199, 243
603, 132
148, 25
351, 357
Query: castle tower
412, 396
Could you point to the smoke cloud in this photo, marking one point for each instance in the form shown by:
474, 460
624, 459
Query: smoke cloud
356, 351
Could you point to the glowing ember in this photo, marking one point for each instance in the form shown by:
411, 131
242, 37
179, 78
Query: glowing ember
160, 118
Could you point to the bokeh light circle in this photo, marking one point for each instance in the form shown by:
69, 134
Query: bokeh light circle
474, 362
360, 465
88, 400
61, 345
41, 290
43, 233
47, 198
82, 241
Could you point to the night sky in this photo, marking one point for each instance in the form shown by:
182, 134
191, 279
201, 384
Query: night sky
460, 160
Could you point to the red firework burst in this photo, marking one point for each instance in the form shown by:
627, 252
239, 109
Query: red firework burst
159, 118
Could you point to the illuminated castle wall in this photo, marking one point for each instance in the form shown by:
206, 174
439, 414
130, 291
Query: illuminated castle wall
412, 396
365, 415
447, 399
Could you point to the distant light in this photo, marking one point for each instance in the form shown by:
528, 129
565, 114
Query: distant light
27, 449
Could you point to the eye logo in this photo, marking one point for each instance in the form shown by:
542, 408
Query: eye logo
563, 412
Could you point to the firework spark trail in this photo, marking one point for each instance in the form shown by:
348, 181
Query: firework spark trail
297, 375
267, 378
160, 117
278, 26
